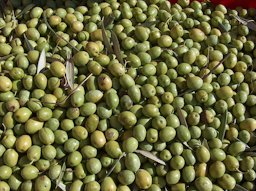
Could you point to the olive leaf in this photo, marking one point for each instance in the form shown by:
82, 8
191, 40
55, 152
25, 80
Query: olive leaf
41, 62
181, 117
150, 156
74, 90
108, 20
205, 144
252, 154
8, 56
59, 182
223, 124
70, 72
48, 26
251, 149
25, 9
215, 67
149, 23
116, 45
239, 188
222, 27
246, 146
105, 38
113, 167
30, 47
249, 23
50, 59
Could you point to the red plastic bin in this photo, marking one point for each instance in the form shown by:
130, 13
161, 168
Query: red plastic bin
232, 3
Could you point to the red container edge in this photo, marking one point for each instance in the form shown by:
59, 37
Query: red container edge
231, 3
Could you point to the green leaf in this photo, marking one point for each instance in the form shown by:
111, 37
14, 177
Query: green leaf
181, 117
70, 73
150, 156
223, 124
25, 9
113, 167
41, 62
105, 38
117, 49
46, 22
30, 47
59, 179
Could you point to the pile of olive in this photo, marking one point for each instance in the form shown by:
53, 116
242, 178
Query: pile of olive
170, 104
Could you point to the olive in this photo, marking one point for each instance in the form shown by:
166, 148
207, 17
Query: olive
227, 182
108, 184
217, 169
113, 149
92, 185
203, 183
143, 179
10, 157
29, 172
23, 143
188, 174
4, 186
43, 183
6, 172
126, 177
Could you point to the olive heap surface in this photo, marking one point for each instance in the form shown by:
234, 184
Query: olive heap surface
127, 95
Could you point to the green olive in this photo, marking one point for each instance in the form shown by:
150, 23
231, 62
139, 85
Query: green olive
43, 183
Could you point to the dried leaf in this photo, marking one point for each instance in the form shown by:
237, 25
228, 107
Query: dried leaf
251, 149
249, 23
113, 167
48, 26
215, 67
70, 73
74, 90
62, 186
108, 20
41, 62
150, 156
181, 117
25, 9
117, 49
105, 38
30, 47
239, 188
6, 57
223, 124
59, 179
252, 154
